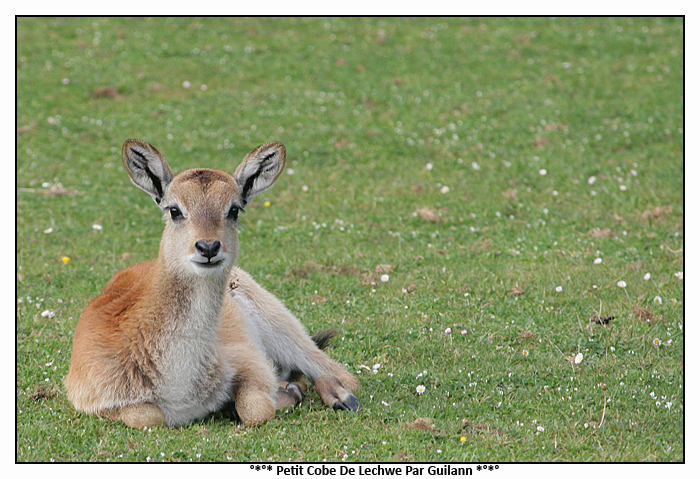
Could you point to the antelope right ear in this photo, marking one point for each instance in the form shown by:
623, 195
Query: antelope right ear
147, 168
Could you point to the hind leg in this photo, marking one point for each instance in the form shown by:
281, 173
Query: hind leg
335, 395
283, 339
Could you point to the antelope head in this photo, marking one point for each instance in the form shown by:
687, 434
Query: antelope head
201, 206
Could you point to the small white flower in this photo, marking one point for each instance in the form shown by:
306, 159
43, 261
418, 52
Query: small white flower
448, 330
97, 227
304, 188
623, 188
384, 278
543, 172
647, 277
658, 300
678, 275
578, 358
475, 165
591, 180
48, 314
622, 284
204, 88
558, 289
186, 84
597, 261
444, 189
48, 231
420, 389
65, 81
377, 366
540, 428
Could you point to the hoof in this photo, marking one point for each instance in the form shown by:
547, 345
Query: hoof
350, 403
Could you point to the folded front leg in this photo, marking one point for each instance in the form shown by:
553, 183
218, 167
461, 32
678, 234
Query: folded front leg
288, 395
140, 415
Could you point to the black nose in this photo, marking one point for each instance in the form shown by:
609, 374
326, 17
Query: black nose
208, 249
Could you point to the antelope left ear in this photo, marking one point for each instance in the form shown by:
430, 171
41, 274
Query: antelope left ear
259, 170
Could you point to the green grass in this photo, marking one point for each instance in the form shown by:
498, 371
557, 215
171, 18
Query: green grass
363, 106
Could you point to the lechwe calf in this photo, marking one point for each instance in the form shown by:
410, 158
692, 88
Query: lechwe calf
174, 339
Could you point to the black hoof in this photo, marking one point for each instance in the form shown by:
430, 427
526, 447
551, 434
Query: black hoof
351, 403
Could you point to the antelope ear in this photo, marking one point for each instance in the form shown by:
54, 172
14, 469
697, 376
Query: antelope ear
147, 168
259, 170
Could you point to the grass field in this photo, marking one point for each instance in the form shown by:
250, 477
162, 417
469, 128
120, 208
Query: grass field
462, 196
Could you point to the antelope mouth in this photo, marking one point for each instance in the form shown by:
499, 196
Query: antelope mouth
210, 264
201, 264
208, 268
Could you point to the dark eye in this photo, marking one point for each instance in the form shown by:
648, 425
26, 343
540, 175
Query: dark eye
233, 213
175, 212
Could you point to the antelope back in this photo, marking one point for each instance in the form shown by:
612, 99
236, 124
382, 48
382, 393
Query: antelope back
201, 206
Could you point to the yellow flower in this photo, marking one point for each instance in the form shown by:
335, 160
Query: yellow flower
65, 259
266, 204
462, 439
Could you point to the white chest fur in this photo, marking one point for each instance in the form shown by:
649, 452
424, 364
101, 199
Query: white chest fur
196, 379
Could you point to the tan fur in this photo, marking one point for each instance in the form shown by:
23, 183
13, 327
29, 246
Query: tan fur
171, 340
140, 415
